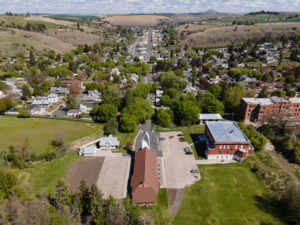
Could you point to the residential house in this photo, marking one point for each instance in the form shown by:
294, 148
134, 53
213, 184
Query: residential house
59, 91
225, 140
53, 98
36, 109
44, 102
2, 94
109, 142
88, 151
10, 81
74, 112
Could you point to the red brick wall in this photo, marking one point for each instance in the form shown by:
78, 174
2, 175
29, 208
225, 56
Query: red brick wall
231, 149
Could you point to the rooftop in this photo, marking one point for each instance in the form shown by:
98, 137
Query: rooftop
226, 132
265, 101
109, 140
210, 116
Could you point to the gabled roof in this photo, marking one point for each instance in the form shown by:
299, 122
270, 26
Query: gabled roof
226, 132
144, 175
109, 140
210, 116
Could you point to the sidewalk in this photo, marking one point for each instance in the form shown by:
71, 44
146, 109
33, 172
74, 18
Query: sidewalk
215, 161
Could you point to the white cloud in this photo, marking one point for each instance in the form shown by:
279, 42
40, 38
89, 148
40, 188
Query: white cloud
150, 6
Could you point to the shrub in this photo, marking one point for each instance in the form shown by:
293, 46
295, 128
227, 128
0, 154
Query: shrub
24, 113
50, 156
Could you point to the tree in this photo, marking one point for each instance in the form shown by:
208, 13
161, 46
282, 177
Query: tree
8, 180
128, 123
232, 99
7, 102
216, 90
111, 127
26, 92
60, 139
32, 59
163, 118
160, 215
289, 79
153, 58
186, 47
264, 93
136, 58
57, 83
71, 102
104, 112
128, 146
212, 105
51, 54
96, 202
61, 192
24, 113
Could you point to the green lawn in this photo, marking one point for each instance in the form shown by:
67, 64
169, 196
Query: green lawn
40, 132
229, 193
126, 137
162, 197
172, 127
45, 175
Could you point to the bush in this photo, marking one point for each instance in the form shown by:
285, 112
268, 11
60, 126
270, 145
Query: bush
24, 113
50, 156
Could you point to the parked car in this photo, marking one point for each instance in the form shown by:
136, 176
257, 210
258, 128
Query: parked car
189, 153
182, 140
187, 149
179, 135
162, 138
171, 137
194, 171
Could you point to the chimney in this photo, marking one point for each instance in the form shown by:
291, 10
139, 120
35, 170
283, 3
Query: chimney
232, 131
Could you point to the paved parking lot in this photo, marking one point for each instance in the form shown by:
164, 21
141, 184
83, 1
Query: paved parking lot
114, 176
177, 165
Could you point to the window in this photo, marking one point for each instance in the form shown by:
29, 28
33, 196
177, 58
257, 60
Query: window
231, 150
220, 146
219, 152
227, 146
248, 114
242, 147
236, 147
227, 152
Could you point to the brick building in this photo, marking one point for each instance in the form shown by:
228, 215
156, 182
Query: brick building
225, 140
258, 109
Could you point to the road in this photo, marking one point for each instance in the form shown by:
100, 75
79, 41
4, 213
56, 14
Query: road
133, 47
149, 45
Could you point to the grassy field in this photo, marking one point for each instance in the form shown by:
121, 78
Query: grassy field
45, 175
73, 17
227, 194
40, 132
162, 197
257, 19
126, 137
19, 20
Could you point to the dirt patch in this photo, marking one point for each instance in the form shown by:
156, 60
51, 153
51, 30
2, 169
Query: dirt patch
171, 196
27, 176
77, 144
235, 180
84, 168
136, 18
61, 22
241, 196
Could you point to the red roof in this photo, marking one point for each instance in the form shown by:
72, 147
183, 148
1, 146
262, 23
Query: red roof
129, 84
144, 181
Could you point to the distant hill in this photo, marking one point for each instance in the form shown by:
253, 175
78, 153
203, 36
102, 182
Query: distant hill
210, 11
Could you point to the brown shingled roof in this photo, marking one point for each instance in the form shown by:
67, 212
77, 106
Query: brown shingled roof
144, 181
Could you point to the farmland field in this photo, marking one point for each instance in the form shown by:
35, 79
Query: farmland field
227, 194
73, 17
257, 19
136, 18
20, 20
40, 132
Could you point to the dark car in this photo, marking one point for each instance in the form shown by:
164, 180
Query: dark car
179, 135
162, 138
189, 153
194, 171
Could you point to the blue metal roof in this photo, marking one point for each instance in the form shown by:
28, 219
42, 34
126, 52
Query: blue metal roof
226, 132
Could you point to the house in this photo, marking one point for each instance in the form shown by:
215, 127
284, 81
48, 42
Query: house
109, 142
10, 81
225, 140
74, 112
59, 91
88, 151
2, 94
36, 109
115, 71
205, 117
44, 102
144, 182
86, 105
79, 83
53, 98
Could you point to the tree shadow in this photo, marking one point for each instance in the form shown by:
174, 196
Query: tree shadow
269, 204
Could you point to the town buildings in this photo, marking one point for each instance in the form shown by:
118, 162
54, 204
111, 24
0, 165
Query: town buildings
206, 117
259, 109
225, 140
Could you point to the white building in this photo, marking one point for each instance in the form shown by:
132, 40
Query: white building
204, 117
88, 151
109, 142
53, 98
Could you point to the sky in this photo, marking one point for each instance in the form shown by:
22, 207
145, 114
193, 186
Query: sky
145, 6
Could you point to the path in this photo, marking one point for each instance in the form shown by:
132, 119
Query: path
176, 205
270, 148
26, 178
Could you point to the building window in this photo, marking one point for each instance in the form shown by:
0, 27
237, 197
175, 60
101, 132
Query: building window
224, 146
220, 146
248, 114
227, 152
242, 147
219, 152
231, 150
236, 147
227, 146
